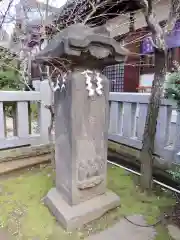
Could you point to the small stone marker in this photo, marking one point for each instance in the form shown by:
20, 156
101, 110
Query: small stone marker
81, 125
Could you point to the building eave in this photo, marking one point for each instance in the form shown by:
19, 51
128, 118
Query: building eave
119, 26
110, 10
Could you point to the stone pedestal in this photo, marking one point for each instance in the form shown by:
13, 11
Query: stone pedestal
75, 216
81, 136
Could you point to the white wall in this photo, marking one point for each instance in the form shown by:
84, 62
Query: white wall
146, 80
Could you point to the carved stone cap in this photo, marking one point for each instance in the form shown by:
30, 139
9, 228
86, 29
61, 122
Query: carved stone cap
80, 45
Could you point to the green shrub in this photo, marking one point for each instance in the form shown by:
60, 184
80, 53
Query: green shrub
34, 111
175, 173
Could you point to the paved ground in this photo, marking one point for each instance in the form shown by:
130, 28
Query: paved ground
123, 230
4, 235
127, 231
10, 127
174, 232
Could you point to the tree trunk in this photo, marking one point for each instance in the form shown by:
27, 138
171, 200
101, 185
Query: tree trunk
146, 156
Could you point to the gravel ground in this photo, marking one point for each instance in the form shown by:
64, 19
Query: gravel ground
9, 127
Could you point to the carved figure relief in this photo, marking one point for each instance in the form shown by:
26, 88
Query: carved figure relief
90, 171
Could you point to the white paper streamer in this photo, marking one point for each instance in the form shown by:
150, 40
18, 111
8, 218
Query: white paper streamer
99, 84
63, 86
88, 83
56, 87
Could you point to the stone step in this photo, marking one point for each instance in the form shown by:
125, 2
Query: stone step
127, 231
10, 166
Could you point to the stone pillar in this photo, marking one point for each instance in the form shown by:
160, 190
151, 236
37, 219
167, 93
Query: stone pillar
81, 133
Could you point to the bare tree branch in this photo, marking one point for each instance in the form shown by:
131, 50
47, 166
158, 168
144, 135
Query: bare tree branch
173, 15
153, 24
160, 49
6, 12
159, 32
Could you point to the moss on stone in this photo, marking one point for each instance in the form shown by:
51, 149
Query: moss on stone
23, 214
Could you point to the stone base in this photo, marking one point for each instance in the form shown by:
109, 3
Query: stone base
72, 217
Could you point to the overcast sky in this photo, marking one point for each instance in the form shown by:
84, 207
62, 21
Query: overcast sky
8, 26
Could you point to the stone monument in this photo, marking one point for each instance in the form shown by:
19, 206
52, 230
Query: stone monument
81, 124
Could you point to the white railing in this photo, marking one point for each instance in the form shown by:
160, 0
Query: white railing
126, 126
18, 125
127, 121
